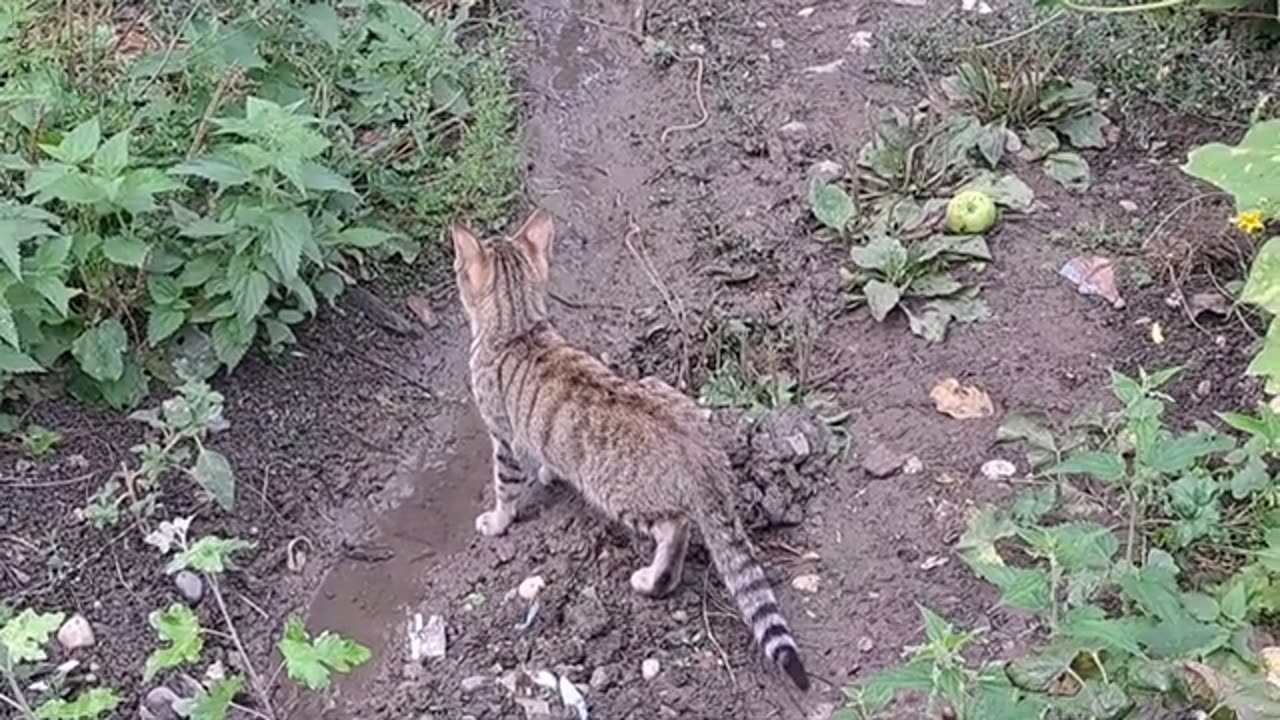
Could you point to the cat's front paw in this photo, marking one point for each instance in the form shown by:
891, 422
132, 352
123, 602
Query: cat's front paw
493, 523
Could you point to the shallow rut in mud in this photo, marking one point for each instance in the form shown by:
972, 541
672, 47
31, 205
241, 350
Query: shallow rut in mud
718, 211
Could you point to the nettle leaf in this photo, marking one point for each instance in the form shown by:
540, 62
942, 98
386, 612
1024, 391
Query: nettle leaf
1069, 169
100, 350
209, 554
1031, 504
249, 289
215, 170
162, 322
215, 476
289, 232
178, 626
89, 705
1038, 671
364, 237
214, 703
312, 662
77, 145
113, 156
1249, 171
320, 178
232, 339
449, 95
833, 207
1104, 466
322, 21
915, 676
15, 362
881, 298
125, 250
1262, 289
13, 232
1090, 625
1185, 638
1020, 588
23, 637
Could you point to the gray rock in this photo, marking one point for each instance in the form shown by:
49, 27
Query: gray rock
881, 461
475, 682
793, 130
190, 586
76, 633
601, 679
160, 703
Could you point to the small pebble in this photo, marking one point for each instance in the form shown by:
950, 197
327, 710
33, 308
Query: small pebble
805, 11
473, 683
1129, 206
806, 583
160, 702
530, 587
601, 679
881, 461
650, 668
777, 43
913, 466
865, 645
793, 130
190, 586
998, 469
680, 616
75, 633
826, 171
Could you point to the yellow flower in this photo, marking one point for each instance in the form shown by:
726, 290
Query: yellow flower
1250, 222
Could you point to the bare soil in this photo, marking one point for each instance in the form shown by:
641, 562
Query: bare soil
365, 444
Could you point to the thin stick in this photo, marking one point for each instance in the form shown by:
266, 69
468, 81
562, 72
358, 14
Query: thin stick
702, 105
706, 626
1021, 33
673, 305
259, 690
168, 51
215, 103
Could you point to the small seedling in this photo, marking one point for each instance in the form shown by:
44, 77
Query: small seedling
39, 441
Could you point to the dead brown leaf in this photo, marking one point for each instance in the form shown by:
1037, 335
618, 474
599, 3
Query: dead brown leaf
962, 402
1093, 275
422, 310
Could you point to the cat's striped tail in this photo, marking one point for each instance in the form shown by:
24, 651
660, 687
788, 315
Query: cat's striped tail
735, 559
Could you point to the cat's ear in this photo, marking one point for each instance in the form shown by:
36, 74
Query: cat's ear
469, 256
535, 237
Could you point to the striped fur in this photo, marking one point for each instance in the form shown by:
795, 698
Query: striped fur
639, 451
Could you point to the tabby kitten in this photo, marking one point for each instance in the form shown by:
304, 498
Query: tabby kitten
639, 451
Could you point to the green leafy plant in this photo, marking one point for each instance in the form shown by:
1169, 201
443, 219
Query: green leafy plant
165, 211
917, 280
1249, 173
23, 637
183, 424
39, 441
311, 662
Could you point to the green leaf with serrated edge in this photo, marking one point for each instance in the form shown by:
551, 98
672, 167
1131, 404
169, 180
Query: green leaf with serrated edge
1200, 606
1031, 505
321, 179
1235, 601
214, 474
214, 703
312, 662
123, 250
77, 145
89, 705
222, 172
832, 206
100, 350
1183, 639
1090, 626
988, 525
23, 637
1020, 588
13, 232
232, 339
915, 676
112, 157
179, 628
209, 554
322, 21
162, 323
364, 237
1250, 171
289, 231
1154, 586
1104, 466
1037, 671
1176, 455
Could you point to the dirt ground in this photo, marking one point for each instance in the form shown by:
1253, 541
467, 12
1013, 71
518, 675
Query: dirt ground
365, 444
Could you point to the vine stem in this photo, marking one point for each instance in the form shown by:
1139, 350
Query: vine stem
1122, 9
17, 701
259, 690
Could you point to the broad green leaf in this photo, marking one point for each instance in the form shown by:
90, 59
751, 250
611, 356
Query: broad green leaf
124, 250
321, 179
1154, 587
449, 95
1249, 171
214, 170
213, 473
13, 232
1038, 143
1104, 466
1250, 478
1098, 700
289, 232
23, 637
1037, 671
1089, 625
833, 207
322, 20
1005, 189
199, 269
936, 627
1020, 588
881, 298
1235, 601
1069, 169
139, 188
113, 156
991, 142
179, 627
364, 237
1031, 504
1183, 639
8, 326
55, 290
162, 322
77, 145
100, 350
249, 290
14, 362
985, 528
915, 676
232, 339
1083, 130
89, 705
880, 253
126, 391
214, 703
209, 554
1083, 545
1177, 455
1201, 607
1263, 286
329, 284
311, 662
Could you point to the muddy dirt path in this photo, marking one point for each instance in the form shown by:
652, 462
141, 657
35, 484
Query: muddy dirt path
720, 214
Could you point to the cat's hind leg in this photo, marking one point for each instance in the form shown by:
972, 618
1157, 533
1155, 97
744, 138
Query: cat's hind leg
662, 575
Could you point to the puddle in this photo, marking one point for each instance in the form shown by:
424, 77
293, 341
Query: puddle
367, 595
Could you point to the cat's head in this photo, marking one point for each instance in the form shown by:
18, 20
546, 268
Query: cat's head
503, 285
